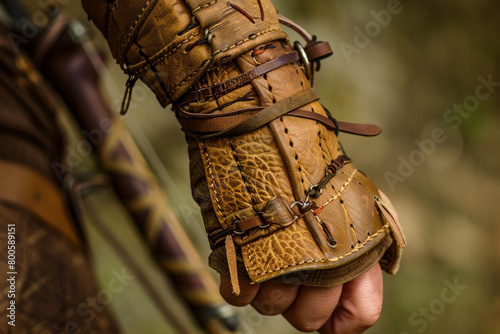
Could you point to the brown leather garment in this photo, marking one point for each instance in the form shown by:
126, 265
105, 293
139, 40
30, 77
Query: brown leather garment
54, 279
28, 128
323, 222
55, 287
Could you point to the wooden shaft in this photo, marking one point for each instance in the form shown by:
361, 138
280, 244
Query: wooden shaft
68, 67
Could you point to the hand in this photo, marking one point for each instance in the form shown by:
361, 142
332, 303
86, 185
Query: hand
344, 309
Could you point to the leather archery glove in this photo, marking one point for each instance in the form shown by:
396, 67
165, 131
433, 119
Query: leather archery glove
280, 198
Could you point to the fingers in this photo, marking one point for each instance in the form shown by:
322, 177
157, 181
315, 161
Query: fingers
312, 307
247, 294
269, 298
348, 309
359, 306
275, 298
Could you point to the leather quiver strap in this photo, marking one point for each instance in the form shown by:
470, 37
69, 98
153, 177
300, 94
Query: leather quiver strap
26, 188
279, 197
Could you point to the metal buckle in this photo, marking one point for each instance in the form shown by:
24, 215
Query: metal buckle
198, 95
255, 60
314, 192
303, 58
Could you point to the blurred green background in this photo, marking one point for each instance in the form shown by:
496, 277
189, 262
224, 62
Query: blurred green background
409, 72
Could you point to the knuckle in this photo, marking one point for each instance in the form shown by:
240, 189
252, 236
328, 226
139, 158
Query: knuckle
236, 301
368, 319
308, 326
265, 308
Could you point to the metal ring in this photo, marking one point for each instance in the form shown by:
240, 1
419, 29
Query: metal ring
237, 228
303, 58
265, 226
260, 214
314, 191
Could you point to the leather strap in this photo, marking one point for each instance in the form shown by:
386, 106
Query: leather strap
273, 214
220, 123
216, 124
239, 227
23, 187
237, 82
318, 50
368, 130
298, 29
262, 117
314, 50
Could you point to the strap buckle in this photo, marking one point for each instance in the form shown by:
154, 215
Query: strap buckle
212, 91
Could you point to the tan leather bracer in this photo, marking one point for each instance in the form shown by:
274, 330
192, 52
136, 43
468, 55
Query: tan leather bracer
279, 197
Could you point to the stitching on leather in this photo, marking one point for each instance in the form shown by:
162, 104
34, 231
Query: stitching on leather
327, 156
203, 6
152, 67
296, 156
357, 248
320, 140
341, 190
216, 53
209, 164
349, 220
111, 16
133, 26
241, 171
165, 53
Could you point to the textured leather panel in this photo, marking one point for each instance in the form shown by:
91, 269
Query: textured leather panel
284, 248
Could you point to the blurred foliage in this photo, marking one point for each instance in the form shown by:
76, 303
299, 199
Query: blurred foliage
417, 66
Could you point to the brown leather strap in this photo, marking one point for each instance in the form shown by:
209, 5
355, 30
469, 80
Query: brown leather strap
237, 82
314, 50
232, 263
220, 123
274, 214
181, 113
239, 227
23, 187
298, 29
318, 50
368, 130
262, 117
216, 124
249, 223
